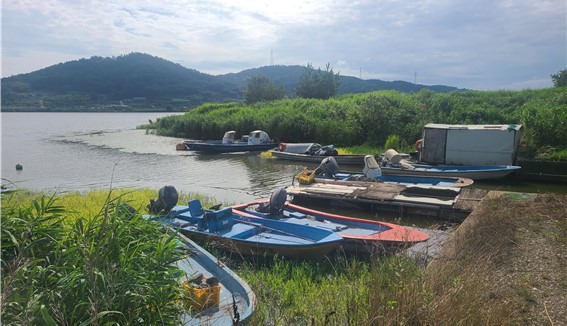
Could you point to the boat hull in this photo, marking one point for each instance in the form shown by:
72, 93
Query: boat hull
360, 235
355, 159
249, 235
234, 292
475, 173
407, 180
261, 249
219, 147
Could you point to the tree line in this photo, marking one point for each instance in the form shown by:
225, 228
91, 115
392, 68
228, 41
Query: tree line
313, 83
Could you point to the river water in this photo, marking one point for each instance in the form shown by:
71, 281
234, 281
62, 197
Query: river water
82, 151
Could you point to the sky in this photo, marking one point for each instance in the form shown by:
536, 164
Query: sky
475, 44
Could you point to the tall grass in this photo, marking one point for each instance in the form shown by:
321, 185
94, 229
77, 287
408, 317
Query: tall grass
64, 266
335, 291
358, 119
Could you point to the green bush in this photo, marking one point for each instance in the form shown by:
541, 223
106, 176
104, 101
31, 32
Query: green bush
393, 142
357, 119
112, 268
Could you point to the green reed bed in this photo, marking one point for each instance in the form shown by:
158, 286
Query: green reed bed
333, 291
81, 259
370, 118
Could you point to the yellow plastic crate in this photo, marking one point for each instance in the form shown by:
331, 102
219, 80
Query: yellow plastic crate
306, 177
201, 298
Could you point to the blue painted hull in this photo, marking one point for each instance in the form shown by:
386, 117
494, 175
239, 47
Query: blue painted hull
216, 146
256, 236
407, 180
234, 291
479, 172
360, 235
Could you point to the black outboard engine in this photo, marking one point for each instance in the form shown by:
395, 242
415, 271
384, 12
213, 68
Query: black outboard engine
327, 151
167, 199
329, 167
276, 204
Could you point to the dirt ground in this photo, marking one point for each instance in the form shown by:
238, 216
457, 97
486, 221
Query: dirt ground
506, 263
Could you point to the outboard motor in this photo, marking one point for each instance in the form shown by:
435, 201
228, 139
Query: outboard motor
167, 199
371, 167
329, 167
327, 151
392, 156
276, 203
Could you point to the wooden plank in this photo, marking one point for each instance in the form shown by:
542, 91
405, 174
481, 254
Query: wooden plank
469, 199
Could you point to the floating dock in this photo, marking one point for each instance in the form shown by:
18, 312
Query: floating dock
453, 204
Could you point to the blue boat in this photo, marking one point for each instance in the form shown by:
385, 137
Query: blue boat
393, 163
475, 172
329, 169
236, 300
248, 235
360, 235
257, 140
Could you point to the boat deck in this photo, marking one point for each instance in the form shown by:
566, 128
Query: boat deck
442, 202
335, 227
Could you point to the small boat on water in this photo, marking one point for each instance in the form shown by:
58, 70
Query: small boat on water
329, 169
257, 140
395, 165
249, 235
234, 300
313, 152
360, 235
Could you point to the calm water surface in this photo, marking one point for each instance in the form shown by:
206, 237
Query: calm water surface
83, 151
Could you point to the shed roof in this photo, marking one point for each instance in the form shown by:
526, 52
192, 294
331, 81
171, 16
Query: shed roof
511, 126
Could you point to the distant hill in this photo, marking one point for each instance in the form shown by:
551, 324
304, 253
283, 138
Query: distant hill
141, 78
140, 81
288, 76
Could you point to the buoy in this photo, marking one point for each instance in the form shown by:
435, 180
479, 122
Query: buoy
19, 167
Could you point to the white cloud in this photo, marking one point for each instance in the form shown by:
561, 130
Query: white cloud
474, 44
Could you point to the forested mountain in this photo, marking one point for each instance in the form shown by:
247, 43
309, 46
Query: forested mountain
288, 76
99, 81
141, 81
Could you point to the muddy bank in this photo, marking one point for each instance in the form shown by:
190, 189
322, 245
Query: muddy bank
506, 263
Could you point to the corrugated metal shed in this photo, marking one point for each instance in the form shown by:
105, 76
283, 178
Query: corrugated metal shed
470, 144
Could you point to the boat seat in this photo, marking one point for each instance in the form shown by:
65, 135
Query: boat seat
194, 213
371, 167
241, 231
195, 208
220, 220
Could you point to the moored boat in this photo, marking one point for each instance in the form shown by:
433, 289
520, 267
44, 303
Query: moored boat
393, 163
329, 169
250, 235
360, 235
313, 152
347, 159
475, 172
257, 140
235, 300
